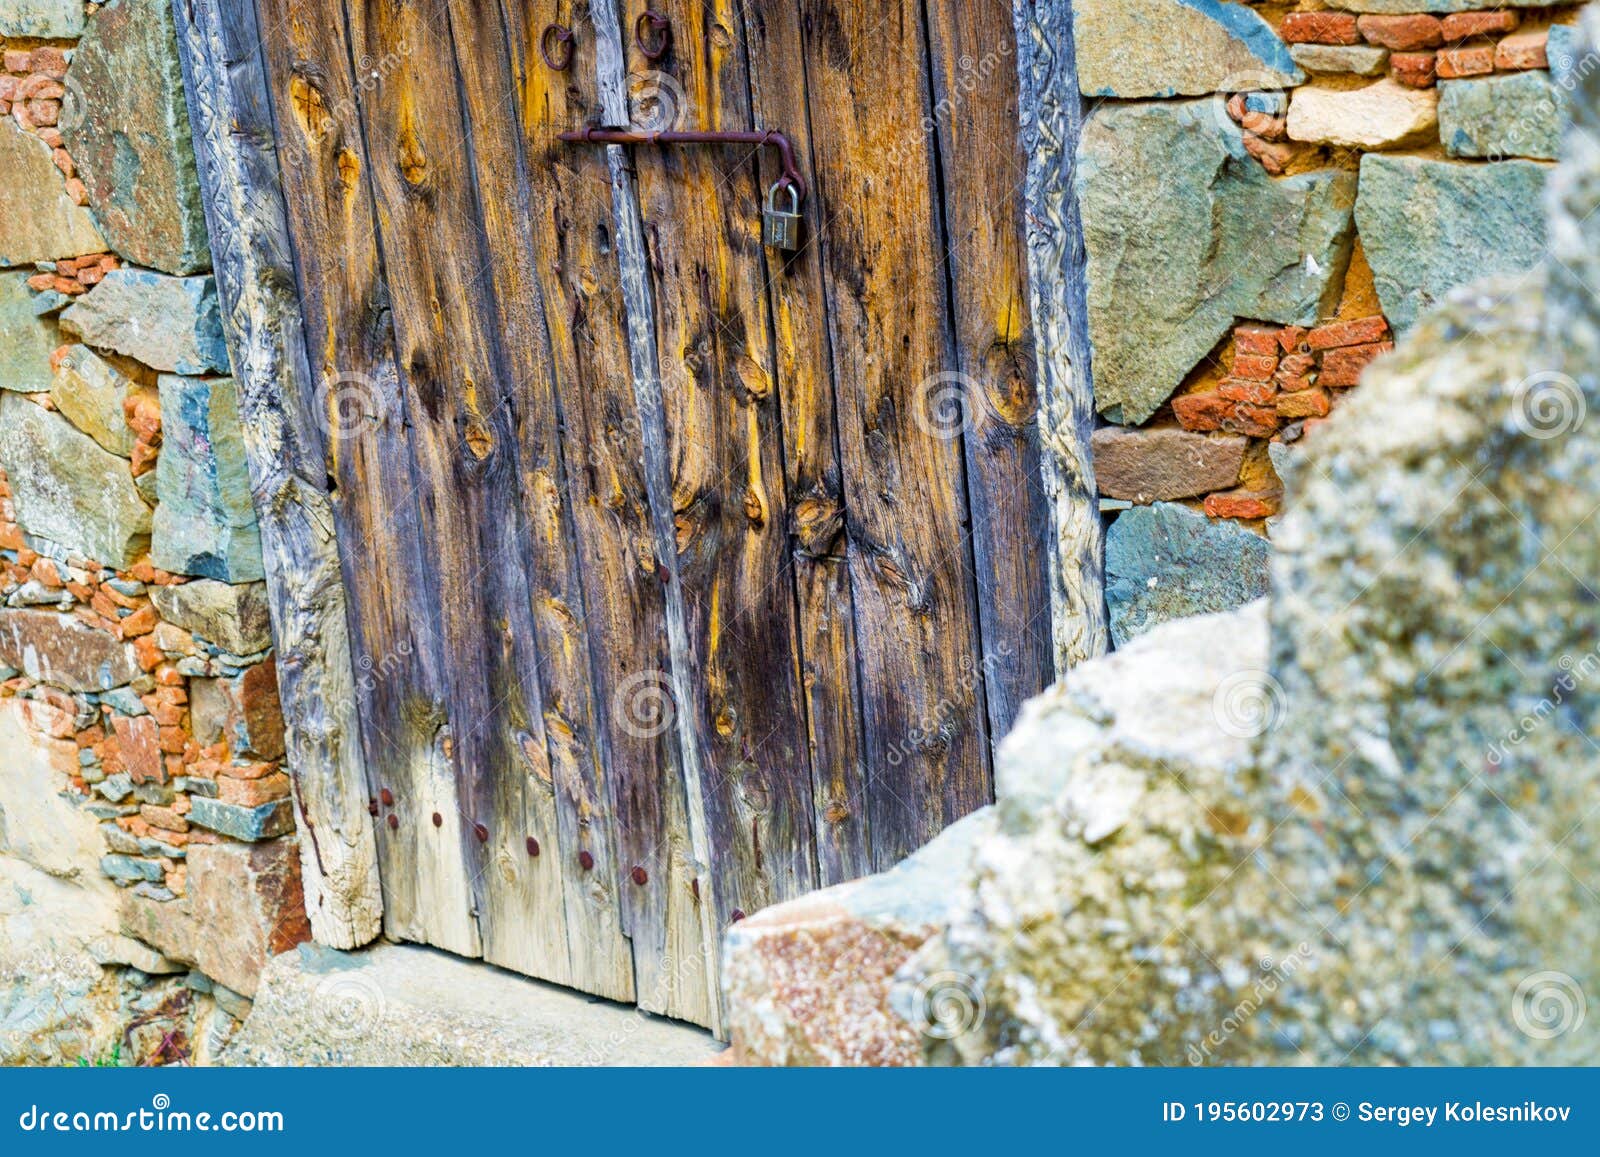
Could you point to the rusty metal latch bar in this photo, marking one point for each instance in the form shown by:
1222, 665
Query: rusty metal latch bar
791, 171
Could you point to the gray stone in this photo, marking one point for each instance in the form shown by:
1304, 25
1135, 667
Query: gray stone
205, 523
1515, 114
45, 19
1166, 463
231, 1002
1360, 59
129, 869
1428, 226
395, 1004
117, 788
1561, 50
125, 951
1376, 116
1185, 233
127, 128
1142, 48
234, 616
89, 391
67, 489
168, 323
26, 340
124, 701
1167, 562
240, 822
38, 221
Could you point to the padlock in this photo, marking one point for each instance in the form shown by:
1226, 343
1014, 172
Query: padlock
782, 229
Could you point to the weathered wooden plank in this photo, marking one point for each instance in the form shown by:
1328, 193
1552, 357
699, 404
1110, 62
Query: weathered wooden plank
464, 440
982, 173
926, 743
684, 965
1051, 123
576, 194
226, 87
730, 514
385, 531
816, 516
573, 801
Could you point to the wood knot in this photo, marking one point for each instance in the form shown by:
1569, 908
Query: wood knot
815, 525
755, 507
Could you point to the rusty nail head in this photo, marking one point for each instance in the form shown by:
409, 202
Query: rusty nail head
481, 832
533, 846
387, 797
640, 876
372, 807
738, 915
394, 822
438, 820
586, 860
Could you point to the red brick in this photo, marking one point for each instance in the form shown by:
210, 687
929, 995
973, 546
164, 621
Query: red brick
1243, 504
1274, 158
1312, 403
1253, 368
1202, 411
1464, 25
1252, 339
1402, 33
18, 60
138, 746
1252, 421
1320, 28
50, 61
148, 654
141, 622
1344, 333
1472, 61
1290, 338
1256, 393
1343, 367
1296, 365
1522, 51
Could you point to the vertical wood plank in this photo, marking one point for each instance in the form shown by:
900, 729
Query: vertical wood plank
982, 175
816, 514
385, 530
464, 440
1051, 124
576, 195
226, 88
926, 735
574, 791
729, 507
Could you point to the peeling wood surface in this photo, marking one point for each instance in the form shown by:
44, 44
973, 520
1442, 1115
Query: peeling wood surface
226, 86
706, 572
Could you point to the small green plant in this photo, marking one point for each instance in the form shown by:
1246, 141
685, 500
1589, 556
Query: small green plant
112, 1060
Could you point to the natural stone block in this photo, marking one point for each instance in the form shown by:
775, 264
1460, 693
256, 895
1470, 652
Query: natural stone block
1378, 116
64, 651
38, 221
1168, 274
1360, 59
233, 616
89, 392
248, 900
44, 19
1143, 48
1563, 54
243, 710
1402, 33
26, 340
67, 489
1163, 464
125, 123
138, 744
204, 524
168, 323
1167, 562
128, 870
1428, 226
242, 823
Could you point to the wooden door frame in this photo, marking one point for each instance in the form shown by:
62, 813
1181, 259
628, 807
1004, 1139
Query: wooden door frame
226, 86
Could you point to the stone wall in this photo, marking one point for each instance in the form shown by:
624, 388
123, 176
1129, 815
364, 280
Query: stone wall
138, 695
1272, 193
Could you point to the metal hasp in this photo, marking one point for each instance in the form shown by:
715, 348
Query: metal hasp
791, 171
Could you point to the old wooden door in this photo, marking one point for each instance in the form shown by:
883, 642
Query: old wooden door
687, 575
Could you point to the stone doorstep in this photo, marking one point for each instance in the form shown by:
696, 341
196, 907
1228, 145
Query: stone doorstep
402, 1004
